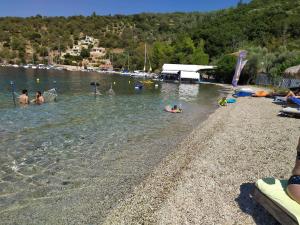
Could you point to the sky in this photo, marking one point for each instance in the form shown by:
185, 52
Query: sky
25, 8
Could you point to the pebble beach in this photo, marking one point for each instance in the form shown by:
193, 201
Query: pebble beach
210, 176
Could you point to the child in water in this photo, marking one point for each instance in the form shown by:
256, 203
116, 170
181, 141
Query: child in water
223, 101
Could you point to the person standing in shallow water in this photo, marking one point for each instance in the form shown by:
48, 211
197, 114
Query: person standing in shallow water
23, 98
293, 188
39, 99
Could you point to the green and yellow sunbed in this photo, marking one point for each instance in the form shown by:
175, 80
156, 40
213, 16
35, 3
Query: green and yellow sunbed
271, 194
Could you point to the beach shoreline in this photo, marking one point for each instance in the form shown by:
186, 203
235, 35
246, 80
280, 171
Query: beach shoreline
209, 178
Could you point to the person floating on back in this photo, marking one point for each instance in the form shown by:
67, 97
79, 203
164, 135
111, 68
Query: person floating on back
39, 99
293, 188
23, 98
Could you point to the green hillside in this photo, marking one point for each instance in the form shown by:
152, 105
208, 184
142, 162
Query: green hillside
263, 27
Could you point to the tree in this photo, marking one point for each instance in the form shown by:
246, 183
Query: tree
199, 56
161, 53
85, 53
225, 68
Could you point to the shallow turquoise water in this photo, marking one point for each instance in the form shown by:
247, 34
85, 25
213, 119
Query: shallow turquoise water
79, 142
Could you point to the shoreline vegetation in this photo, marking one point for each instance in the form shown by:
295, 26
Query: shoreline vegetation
267, 29
209, 178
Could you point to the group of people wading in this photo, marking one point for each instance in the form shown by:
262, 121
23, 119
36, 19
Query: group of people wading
24, 99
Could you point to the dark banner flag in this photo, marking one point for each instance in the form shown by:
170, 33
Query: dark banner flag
239, 67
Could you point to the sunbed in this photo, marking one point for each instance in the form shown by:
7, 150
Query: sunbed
271, 194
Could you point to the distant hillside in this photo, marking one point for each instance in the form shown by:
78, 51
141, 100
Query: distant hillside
266, 23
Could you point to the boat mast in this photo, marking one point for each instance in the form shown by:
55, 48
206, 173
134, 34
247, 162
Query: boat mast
150, 68
145, 60
128, 62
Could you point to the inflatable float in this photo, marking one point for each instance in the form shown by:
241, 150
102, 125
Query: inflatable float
248, 90
294, 100
147, 82
260, 94
231, 100
169, 109
291, 111
242, 94
279, 99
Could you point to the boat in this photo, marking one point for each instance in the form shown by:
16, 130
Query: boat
126, 72
144, 72
147, 82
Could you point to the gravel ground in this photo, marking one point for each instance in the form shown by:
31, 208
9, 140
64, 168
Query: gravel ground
209, 178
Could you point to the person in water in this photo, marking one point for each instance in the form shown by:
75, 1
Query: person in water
223, 101
175, 107
293, 188
23, 98
39, 99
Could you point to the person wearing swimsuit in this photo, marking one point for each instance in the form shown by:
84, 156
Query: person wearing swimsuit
293, 188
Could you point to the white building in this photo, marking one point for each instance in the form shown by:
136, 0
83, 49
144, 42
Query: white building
87, 41
183, 72
98, 52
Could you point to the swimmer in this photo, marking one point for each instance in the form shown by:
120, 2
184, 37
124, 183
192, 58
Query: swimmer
175, 107
23, 98
39, 99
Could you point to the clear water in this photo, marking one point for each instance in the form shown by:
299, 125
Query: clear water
82, 154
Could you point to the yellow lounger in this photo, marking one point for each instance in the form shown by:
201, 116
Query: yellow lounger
271, 194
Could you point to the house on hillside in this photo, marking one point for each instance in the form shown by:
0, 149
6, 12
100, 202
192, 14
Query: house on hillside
75, 51
183, 72
106, 65
87, 41
97, 52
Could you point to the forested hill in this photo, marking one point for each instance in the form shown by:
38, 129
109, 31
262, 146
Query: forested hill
174, 37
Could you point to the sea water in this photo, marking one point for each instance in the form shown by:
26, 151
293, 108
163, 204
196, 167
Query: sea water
77, 157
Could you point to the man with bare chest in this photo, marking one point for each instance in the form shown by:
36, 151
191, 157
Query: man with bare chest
23, 98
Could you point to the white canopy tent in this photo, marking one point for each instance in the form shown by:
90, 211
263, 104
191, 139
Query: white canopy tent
186, 71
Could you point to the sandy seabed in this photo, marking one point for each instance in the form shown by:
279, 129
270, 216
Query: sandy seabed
210, 177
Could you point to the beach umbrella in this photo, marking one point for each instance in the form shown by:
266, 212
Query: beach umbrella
293, 71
